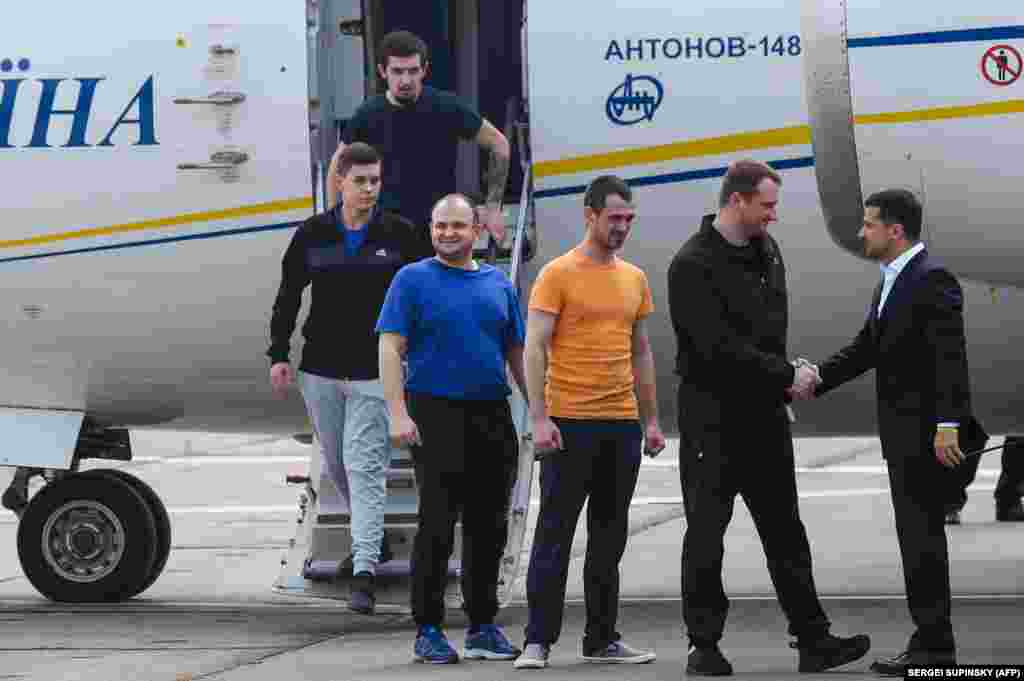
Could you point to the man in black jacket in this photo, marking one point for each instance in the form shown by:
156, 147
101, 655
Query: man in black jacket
727, 299
914, 339
349, 255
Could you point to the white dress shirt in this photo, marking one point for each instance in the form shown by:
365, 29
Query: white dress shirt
893, 269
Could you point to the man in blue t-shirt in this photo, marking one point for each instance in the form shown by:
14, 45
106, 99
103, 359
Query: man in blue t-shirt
457, 323
416, 128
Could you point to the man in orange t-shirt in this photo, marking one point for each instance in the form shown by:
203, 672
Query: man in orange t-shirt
587, 349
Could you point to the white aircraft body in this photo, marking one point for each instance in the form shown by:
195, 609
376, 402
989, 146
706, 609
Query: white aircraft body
157, 160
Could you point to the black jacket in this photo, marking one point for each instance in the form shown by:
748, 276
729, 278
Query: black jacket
347, 293
919, 352
729, 310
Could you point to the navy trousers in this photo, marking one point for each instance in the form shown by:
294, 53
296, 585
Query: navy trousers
601, 461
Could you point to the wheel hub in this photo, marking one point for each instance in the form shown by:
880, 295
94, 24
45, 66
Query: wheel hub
83, 541
86, 541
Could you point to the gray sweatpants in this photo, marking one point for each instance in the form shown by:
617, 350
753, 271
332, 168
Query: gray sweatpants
351, 422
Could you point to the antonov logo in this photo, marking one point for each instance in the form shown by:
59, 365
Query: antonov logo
137, 113
634, 100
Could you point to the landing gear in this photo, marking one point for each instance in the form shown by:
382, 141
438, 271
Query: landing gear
96, 536
160, 517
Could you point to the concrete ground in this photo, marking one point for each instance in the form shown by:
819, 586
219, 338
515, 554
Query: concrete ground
212, 614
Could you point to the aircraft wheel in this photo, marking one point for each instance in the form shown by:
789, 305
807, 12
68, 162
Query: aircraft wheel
160, 517
87, 538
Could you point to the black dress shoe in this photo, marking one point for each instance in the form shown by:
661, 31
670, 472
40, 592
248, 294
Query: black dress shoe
831, 651
363, 598
953, 517
1010, 513
707, 661
896, 666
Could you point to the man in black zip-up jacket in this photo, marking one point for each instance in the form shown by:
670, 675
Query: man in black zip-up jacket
727, 300
349, 256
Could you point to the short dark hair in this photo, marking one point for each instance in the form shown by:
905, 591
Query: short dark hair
598, 191
356, 154
899, 205
743, 177
401, 44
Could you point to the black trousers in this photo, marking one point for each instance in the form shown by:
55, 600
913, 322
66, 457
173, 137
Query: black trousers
601, 461
754, 458
921, 531
465, 467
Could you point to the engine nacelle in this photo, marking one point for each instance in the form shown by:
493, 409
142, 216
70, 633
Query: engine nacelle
927, 108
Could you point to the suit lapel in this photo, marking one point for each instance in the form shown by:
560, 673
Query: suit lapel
873, 310
900, 293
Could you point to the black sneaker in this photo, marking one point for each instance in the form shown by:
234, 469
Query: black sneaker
707, 661
831, 651
362, 598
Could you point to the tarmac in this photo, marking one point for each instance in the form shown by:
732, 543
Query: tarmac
213, 615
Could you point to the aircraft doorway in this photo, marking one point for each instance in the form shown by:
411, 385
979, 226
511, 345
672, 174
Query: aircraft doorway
481, 59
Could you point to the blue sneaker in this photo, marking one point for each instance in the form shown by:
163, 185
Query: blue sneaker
432, 646
488, 642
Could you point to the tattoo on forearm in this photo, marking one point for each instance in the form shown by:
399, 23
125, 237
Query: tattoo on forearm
497, 176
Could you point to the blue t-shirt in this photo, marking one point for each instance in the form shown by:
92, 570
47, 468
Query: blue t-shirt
354, 238
458, 325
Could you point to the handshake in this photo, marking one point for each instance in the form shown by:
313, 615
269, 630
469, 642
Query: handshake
806, 379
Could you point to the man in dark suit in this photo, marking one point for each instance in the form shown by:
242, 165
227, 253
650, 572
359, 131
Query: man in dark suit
914, 339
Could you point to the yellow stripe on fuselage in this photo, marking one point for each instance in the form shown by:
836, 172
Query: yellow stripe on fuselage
185, 219
762, 139
944, 113
711, 146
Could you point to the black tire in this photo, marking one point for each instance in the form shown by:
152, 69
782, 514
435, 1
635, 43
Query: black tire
160, 518
109, 502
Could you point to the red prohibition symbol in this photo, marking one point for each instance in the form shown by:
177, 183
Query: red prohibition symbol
1001, 65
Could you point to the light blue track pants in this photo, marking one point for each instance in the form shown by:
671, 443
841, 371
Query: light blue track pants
351, 422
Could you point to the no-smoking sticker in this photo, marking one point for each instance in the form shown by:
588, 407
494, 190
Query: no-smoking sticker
1001, 65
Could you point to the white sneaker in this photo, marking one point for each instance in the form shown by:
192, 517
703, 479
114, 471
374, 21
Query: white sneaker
534, 656
617, 652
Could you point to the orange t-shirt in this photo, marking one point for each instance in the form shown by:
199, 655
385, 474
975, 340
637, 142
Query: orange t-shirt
590, 365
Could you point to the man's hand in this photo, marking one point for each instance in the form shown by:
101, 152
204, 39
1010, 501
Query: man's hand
403, 431
546, 436
805, 380
281, 376
947, 450
493, 221
654, 440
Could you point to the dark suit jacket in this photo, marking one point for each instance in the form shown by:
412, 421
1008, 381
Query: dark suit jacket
918, 351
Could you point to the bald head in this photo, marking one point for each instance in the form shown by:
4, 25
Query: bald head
454, 201
454, 229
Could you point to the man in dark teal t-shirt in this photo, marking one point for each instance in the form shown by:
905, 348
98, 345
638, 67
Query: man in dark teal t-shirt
416, 128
